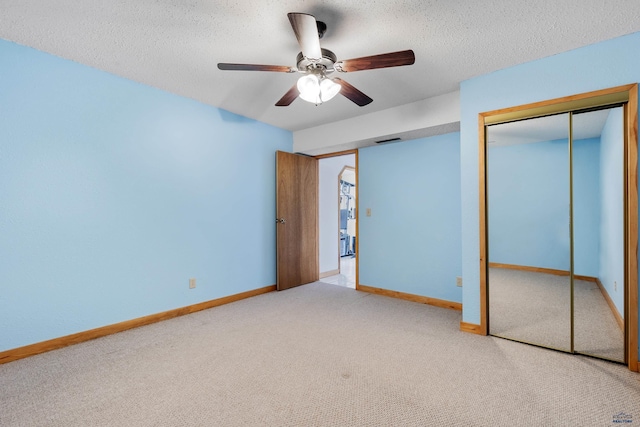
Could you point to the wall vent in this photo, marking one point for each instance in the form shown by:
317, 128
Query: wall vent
388, 140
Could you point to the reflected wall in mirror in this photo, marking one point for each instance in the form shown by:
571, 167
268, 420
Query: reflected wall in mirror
555, 227
528, 199
598, 181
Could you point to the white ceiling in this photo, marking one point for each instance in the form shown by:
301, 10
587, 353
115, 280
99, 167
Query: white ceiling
175, 44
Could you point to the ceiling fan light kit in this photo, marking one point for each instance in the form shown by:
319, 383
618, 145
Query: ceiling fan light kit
316, 64
317, 88
328, 89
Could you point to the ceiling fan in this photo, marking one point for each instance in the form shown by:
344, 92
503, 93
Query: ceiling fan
318, 64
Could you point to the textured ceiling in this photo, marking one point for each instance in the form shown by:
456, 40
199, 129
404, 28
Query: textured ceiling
175, 44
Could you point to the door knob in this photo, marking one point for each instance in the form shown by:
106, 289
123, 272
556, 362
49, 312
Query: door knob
280, 220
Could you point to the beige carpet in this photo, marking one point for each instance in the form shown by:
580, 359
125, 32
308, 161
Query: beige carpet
536, 308
318, 355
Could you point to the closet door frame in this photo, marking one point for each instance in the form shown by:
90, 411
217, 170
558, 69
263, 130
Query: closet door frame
626, 95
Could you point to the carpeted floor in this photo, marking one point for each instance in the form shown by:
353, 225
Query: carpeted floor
317, 355
535, 308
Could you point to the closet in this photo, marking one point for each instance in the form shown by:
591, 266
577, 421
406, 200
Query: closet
556, 229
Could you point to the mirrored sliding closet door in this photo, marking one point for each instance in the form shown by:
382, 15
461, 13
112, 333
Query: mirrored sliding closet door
598, 233
555, 228
528, 198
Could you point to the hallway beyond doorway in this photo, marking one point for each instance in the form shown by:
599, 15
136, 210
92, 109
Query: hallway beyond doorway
347, 276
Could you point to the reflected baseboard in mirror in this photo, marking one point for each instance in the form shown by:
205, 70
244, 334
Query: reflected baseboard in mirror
530, 305
614, 310
597, 332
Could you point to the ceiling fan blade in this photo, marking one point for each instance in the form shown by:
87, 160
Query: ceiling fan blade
256, 67
306, 30
352, 93
385, 60
289, 97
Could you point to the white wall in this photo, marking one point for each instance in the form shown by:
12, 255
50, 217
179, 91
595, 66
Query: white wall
329, 169
433, 116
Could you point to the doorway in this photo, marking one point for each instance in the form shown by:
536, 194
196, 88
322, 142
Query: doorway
347, 226
337, 214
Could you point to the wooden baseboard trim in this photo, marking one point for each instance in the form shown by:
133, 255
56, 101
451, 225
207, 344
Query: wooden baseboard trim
411, 297
541, 270
329, 273
531, 269
471, 328
612, 306
56, 343
605, 294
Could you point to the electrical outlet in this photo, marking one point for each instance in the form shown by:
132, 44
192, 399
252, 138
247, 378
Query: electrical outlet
368, 211
459, 281
615, 286
192, 283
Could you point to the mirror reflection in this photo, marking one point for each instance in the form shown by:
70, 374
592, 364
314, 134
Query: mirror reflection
555, 209
599, 233
528, 199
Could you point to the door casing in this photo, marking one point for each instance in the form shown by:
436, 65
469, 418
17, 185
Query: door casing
355, 153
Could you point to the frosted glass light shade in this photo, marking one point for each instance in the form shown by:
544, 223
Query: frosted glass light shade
328, 89
316, 89
309, 87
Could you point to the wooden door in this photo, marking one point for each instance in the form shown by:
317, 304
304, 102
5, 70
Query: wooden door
296, 220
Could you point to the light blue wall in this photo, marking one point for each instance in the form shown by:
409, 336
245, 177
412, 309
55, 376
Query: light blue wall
612, 208
528, 205
411, 241
599, 66
586, 206
113, 194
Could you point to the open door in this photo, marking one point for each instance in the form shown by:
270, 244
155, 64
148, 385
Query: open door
296, 220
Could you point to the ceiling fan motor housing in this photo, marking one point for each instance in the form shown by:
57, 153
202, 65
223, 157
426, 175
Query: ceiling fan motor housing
326, 63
